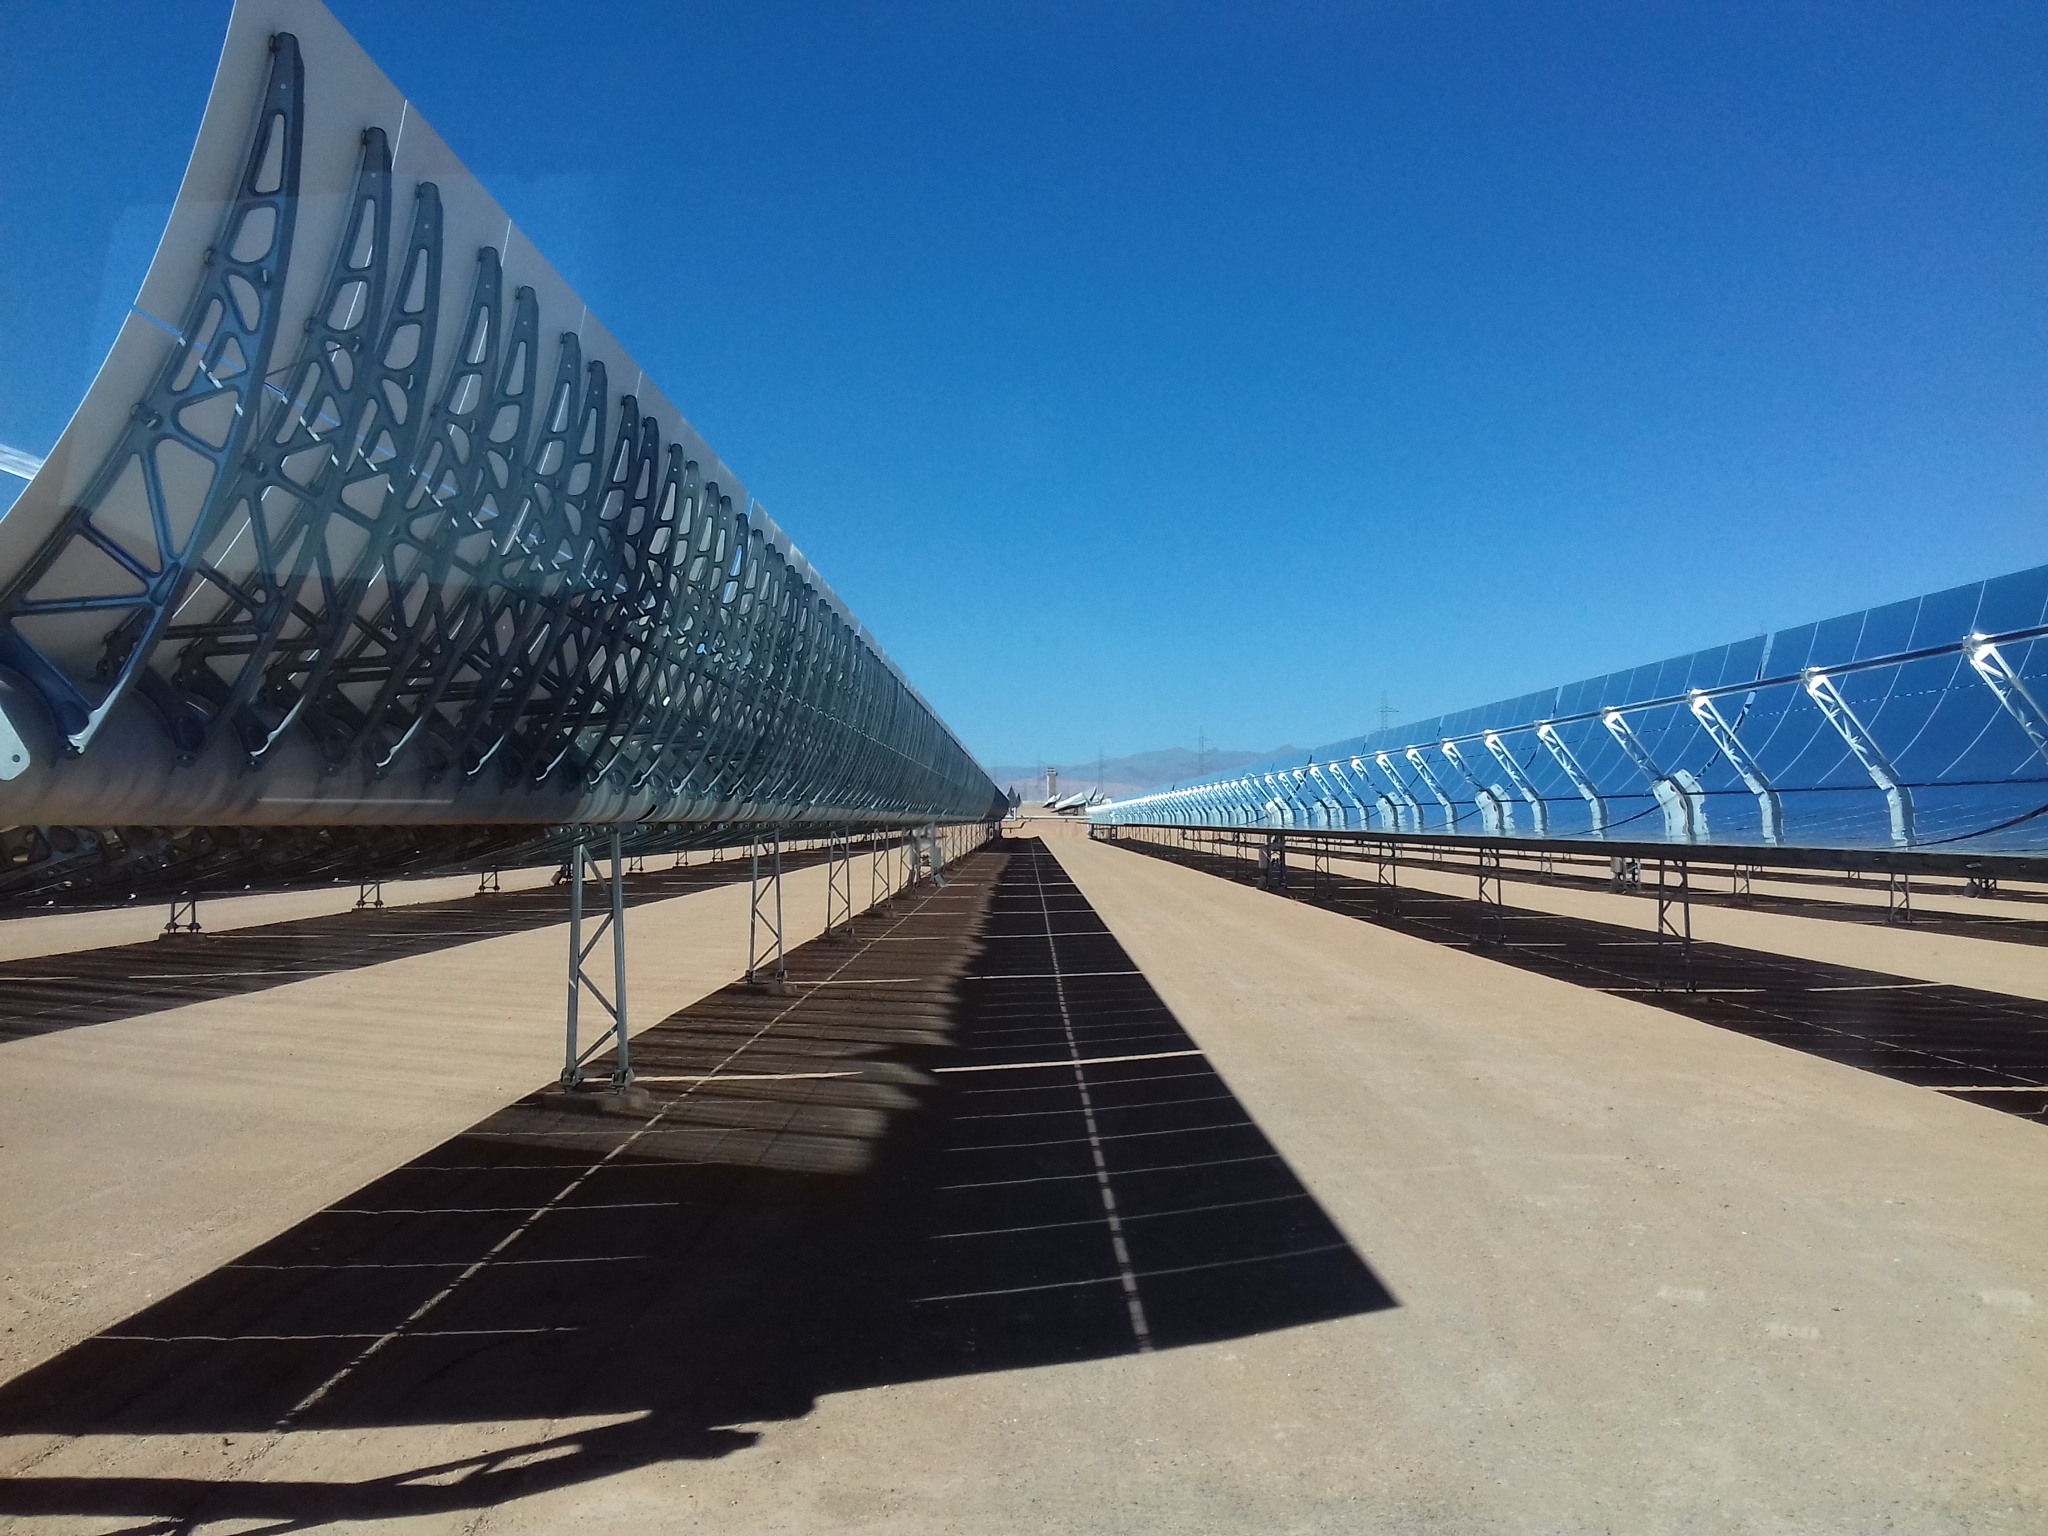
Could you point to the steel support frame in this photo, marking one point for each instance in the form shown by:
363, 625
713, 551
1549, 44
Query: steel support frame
583, 867
1492, 927
1386, 874
1898, 797
1320, 883
1898, 897
764, 915
186, 907
370, 895
838, 887
1674, 891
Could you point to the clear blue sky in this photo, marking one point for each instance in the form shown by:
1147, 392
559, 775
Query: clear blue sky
1135, 369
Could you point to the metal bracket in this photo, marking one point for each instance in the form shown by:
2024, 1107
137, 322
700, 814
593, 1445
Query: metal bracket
1822, 690
2012, 692
369, 895
1769, 808
1581, 780
487, 883
1539, 812
1679, 794
582, 866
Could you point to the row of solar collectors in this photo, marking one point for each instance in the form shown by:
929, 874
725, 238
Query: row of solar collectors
1918, 724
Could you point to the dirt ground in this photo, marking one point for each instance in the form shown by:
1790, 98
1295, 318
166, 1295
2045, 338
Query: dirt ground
1297, 1225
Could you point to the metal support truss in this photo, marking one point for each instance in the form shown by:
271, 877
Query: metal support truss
1770, 810
369, 895
1822, 690
583, 868
1493, 909
1409, 812
1539, 812
838, 887
1386, 874
878, 881
1898, 897
1685, 809
1428, 775
1496, 811
1320, 883
2000, 677
1627, 877
1980, 885
766, 964
1674, 893
184, 916
488, 883
1741, 882
1596, 804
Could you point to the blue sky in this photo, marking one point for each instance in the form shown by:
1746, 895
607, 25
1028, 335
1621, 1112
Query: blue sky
1140, 369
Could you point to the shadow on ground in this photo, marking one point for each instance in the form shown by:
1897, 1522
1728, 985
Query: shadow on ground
971, 1139
45, 994
1986, 1047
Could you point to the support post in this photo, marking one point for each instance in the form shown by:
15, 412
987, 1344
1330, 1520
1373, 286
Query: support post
184, 915
1319, 869
1740, 879
1387, 874
487, 882
838, 886
1679, 895
1493, 911
369, 896
764, 917
583, 865
1898, 897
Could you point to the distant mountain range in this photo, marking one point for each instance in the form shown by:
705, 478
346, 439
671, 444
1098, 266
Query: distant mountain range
1120, 776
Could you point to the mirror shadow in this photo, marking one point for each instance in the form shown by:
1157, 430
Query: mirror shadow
970, 1138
